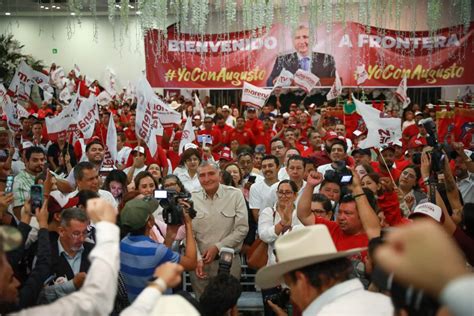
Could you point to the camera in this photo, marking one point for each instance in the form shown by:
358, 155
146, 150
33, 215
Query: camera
173, 212
341, 174
226, 255
281, 298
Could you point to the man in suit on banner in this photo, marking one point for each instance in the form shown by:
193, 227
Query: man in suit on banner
304, 58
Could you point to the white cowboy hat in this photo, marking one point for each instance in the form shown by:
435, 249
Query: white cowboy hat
298, 249
174, 105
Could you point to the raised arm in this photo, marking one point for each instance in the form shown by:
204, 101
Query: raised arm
303, 210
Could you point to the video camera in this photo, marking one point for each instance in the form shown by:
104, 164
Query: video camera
226, 255
173, 212
341, 174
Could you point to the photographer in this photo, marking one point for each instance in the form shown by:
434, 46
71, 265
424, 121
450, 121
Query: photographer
139, 254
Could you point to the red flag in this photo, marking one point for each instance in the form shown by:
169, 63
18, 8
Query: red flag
463, 123
445, 123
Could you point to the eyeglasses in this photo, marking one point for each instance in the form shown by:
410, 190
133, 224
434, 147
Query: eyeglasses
277, 147
285, 193
77, 235
172, 184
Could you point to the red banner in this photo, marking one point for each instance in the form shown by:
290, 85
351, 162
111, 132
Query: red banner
227, 60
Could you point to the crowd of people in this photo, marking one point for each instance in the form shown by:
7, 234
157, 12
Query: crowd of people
347, 230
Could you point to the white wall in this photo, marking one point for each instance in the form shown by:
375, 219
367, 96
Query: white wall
76, 44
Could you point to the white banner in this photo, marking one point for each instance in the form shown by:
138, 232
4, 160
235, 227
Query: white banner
255, 95
64, 122
3, 95
336, 88
285, 79
87, 117
21, 82
306, 80
57, 77
42, 81
188, 134
110, 157
65, 95
13, 120
380, 130
401, 93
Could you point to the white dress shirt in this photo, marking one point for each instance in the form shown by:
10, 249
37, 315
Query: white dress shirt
349, 298
97, 295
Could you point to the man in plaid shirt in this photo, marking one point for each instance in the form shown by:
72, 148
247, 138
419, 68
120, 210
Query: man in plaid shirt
34, 165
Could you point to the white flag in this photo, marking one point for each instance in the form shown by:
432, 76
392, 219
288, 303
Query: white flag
188, 134
361, 74
158, 109
87, 116
306, 80
21, 82
3, 95
65, 95
401, 93
57, 77
13, 120
104, 98
42, 81
64, 122
285, 79
255, 95
380, 130
112, 139
77, 70
110, 80
336, 88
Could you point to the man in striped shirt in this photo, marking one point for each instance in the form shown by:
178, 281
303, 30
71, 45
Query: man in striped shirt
140, 255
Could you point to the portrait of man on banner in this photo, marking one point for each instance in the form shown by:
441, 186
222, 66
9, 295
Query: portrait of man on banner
320, 64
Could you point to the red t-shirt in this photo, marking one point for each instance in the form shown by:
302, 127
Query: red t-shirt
342, 240
245, 137
254, 125
224, 133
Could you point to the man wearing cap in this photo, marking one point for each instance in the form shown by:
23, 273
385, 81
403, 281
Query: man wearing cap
221, 221
361, 156
228, 118
138, 165
197, 123
386, 159
210, 110
464, 172
318, 276
140, 255
243, 135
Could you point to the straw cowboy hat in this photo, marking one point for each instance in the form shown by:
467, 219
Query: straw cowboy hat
175, 105
298, 249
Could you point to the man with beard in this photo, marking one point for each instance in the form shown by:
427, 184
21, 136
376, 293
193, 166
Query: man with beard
95, 154
386, 158
34, 165
260, 191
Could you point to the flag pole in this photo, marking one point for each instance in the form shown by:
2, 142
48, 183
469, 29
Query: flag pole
386, 166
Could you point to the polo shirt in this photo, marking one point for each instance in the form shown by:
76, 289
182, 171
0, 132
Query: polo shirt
139, 257
342, 240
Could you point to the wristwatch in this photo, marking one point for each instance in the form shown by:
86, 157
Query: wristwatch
158, 283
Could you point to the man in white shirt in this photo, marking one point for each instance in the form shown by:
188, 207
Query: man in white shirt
122, 151
138, 165
319, 276
261, 191
87, 178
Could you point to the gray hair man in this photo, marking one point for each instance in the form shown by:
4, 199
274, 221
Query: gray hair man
221, 221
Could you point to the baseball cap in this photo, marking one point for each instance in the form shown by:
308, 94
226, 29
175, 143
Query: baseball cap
418, 113
190, 145
136, 212
197, 117
386, 146
286, 115
225, 154
140, 149
361, 151
225, 108
312, 105
428, 209
416, 142
251, 109
26, 145
10, 238
330, 136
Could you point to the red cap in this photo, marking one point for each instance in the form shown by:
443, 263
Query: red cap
330, 136
226, 154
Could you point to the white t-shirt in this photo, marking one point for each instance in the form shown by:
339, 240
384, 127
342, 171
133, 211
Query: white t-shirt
260, 195
137, 171
283, 174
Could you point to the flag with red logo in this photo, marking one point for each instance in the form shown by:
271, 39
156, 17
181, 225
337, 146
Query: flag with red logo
381, 130
401, 93
336, 88
306, 80
187, 136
